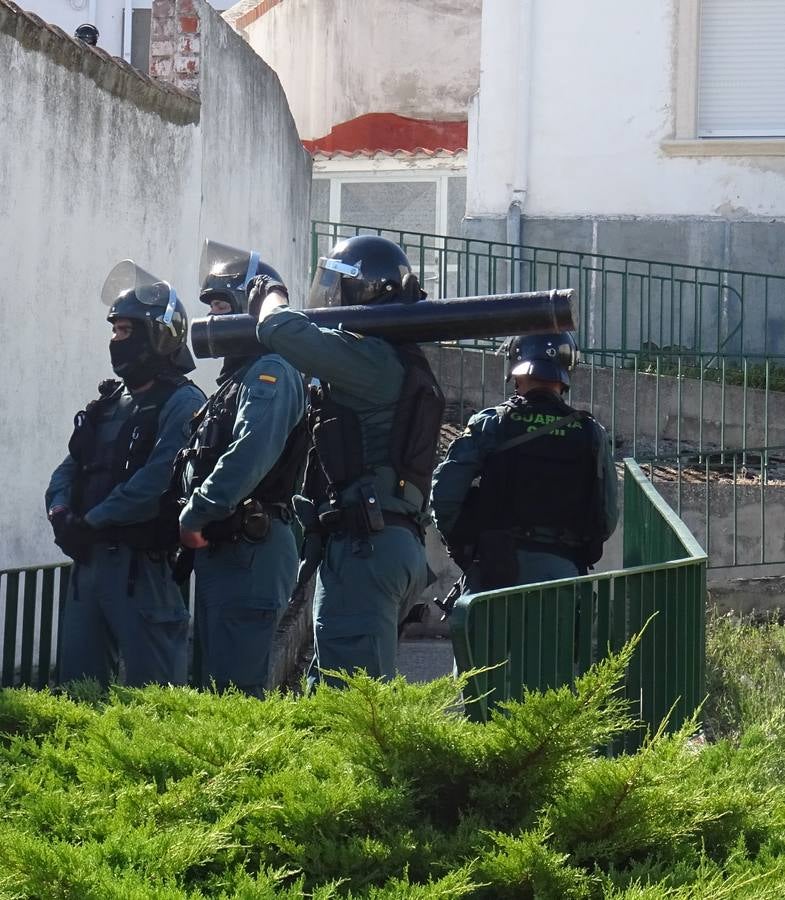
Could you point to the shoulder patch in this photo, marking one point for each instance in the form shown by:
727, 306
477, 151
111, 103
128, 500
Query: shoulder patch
270, 379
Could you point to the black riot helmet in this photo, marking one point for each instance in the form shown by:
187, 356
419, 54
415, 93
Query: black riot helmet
88, 34
548, 357
364, 270
224, 273
132, 293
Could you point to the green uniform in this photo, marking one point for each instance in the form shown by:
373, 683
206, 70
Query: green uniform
363, 588
123, 602
242, 588
546, 550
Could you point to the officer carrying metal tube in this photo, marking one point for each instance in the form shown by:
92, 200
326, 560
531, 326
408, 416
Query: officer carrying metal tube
374, 420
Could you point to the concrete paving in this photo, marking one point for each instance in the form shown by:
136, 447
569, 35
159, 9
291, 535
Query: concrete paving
425, 659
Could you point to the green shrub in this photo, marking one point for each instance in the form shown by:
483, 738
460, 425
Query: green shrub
380, 790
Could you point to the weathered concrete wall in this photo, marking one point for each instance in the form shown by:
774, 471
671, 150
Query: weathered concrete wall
257, 175
98, 163
339, 59
644, 411
70, 14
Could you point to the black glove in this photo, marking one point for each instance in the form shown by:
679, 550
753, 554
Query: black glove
181, 562
72, 534
261, 285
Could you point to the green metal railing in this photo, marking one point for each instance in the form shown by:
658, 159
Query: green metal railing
626, 304
547, 634
29, 603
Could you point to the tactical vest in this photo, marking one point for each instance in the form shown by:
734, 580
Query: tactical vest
344, 451
546, 489
212, 433
102, 466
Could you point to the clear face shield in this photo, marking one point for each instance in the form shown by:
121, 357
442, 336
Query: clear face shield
326, 285
148, 289
225, 270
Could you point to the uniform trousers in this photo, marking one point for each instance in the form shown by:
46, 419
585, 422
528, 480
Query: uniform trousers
363, 590
242, 591
123, 603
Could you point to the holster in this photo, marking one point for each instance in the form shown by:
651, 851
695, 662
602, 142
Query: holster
498, 559
251, 522
312, 548
181, 562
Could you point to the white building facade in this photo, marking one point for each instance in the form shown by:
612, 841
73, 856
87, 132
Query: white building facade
380, 93
652, 130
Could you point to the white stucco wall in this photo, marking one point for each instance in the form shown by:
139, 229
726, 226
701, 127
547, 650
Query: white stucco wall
339, 59
97, 165
582, 124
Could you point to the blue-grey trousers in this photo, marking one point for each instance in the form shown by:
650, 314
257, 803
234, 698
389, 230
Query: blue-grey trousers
123, 603
533, 566
360, 598
242, 591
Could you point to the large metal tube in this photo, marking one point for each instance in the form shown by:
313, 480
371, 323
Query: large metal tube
538, 312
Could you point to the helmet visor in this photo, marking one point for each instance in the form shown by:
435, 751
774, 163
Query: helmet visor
148, 289
230, 263
326, 286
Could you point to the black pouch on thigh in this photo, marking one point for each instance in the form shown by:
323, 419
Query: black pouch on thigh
498, 559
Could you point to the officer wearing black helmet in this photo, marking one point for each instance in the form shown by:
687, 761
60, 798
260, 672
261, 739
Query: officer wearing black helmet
374, 420
104, 499
88, 34
528, 492
237, 477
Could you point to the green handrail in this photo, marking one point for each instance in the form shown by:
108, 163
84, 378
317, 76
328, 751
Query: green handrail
545, 635
626, 303
31, 596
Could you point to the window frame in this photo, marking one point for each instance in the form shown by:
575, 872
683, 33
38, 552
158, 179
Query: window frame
686, 140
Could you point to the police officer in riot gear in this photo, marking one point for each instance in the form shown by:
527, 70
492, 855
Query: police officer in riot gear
104, 499
546, 498
374, 421
237, 477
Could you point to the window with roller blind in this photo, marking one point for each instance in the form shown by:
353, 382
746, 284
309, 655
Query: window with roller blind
741, 69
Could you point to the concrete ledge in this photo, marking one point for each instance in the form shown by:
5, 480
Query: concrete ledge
750, 596
113, 75
725, 147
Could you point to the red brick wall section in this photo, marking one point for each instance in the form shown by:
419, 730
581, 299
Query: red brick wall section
175, 43
264, 6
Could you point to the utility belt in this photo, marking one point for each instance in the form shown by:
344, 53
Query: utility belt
250, 522
359, 525
550, 540
497, 558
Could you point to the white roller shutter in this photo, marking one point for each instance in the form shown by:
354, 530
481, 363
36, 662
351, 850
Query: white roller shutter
741, 75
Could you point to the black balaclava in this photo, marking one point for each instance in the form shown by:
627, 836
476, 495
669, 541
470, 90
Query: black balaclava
133, 359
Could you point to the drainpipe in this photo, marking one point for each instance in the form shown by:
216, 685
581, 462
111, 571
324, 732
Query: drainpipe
522, 94
128, 13
523, 77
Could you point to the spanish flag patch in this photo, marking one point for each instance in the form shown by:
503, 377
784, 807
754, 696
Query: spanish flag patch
270, 379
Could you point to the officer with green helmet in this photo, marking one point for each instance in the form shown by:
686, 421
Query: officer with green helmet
104, 499
237, 477
528, 492
374, 419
